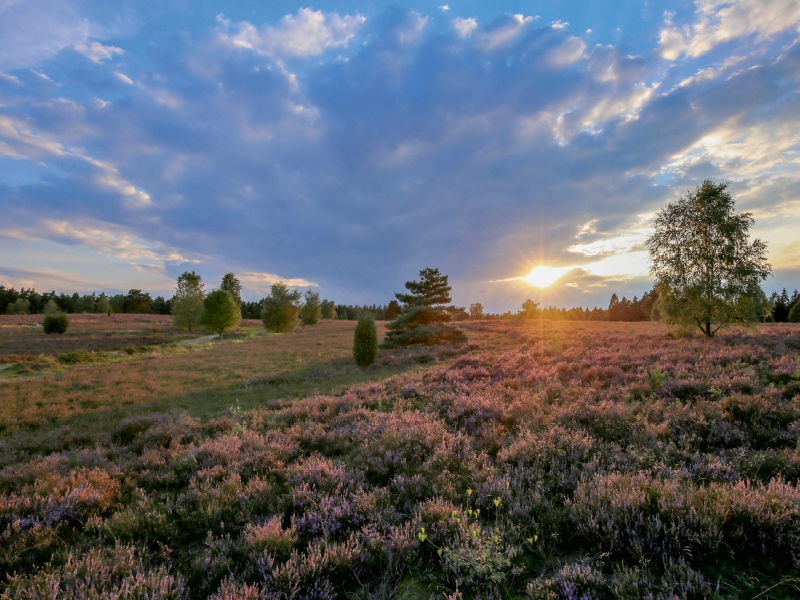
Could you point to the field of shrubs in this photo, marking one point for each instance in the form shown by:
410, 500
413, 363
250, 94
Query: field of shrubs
541, 460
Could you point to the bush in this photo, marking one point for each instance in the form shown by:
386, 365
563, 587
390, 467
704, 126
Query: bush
365, 341
55, 323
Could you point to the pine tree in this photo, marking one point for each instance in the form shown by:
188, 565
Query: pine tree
424, 313
365, 341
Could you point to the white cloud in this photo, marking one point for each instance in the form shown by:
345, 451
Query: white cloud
566, 53
506, 33
260, 282
10, 78
96, 51
36, 30
745, 151
307, 33
623, 242
444, 7
464, 27
123, 78
719, 21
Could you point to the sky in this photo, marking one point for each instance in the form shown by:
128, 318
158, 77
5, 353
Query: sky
344, 146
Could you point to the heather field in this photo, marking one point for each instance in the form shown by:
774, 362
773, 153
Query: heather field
539, 460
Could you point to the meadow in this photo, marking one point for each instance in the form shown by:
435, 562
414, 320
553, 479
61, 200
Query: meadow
541, 459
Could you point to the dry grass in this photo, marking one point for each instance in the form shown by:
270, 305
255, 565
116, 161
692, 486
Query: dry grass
22, 338
164, 372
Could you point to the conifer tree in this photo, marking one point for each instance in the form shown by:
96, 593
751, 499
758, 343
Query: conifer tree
425, 313
365, 341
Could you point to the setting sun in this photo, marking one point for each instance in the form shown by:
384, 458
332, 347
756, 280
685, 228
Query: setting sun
543, 276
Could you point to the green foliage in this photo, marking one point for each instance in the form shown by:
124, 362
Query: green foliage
117, 303
55, 323
424, 314
233, 286
328, 309
707, 270
137, 301
21, 306
657, 378
794, 313
221, 311
102, 305
476, 311
51, 308
392, 310
85, 304
311, 312
280, 309
187, 303
365, 341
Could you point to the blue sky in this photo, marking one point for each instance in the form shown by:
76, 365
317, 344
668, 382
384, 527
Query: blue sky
344, 146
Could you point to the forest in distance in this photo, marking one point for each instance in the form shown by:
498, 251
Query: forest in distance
29, 301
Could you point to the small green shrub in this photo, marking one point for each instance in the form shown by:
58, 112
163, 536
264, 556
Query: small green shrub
55, 323
73, 357
365, 341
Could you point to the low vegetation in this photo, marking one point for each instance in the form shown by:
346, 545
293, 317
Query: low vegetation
538, 460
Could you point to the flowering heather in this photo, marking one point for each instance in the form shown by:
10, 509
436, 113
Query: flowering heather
541, 460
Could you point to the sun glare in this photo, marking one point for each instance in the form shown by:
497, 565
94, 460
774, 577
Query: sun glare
543, 276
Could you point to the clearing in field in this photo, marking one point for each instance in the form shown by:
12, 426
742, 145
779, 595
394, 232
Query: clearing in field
539, 460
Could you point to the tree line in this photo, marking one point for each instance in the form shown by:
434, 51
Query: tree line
29, 301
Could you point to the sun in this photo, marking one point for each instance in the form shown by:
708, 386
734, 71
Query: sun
543, 276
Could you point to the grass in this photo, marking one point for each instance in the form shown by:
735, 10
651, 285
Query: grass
541, 460
101, 380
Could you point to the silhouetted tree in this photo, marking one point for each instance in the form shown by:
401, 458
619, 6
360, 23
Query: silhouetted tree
529, 309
